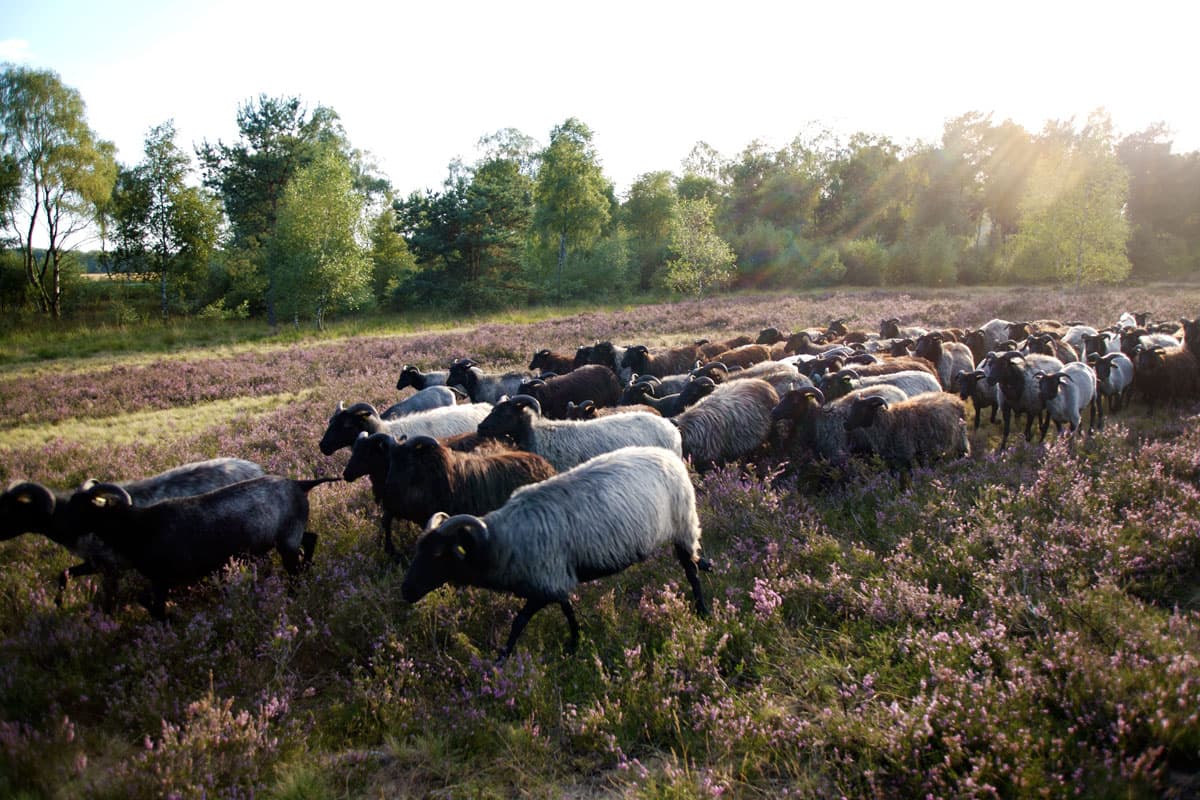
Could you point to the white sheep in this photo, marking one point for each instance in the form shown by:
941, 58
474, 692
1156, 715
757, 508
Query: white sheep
1065, 395
592, 521
347, 423
423, 400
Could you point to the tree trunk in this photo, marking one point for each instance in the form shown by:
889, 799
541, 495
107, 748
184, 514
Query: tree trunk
162, 281
562, 259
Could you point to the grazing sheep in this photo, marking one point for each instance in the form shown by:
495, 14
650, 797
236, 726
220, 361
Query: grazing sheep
549, 361
730, 423
804, 343
347, 423
947, 358
544, 541
973, 386
672, 404
667, 362
918, 431
818, 428
29, 507
425, 477
179, 540
770, 336
1114, 378
1165, 374
425, 399
411, 376
1047, 345
912, 382
711, 350
1015, 376
482, 387
589, 382
566, 443
1065, 395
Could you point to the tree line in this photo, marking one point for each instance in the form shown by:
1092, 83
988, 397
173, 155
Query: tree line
289, 221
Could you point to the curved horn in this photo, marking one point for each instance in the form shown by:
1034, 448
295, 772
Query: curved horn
421, 442
525, 401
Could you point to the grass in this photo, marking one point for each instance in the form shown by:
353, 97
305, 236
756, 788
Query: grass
1010, 625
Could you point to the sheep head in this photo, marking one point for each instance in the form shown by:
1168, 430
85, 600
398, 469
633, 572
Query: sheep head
450, 550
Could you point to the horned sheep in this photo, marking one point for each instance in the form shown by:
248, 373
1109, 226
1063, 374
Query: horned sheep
347, 423
547, 538
917, 431
730, 423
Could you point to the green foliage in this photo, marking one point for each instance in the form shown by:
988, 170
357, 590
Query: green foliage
647, 214
66, 175
700, 260
864, 260
391, 261
929, 258
318, 263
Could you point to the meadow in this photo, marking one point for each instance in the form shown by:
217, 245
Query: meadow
1014, 624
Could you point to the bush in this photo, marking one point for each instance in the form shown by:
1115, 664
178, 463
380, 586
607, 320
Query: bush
864, 260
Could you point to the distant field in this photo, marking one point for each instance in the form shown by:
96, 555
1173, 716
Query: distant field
1012, 624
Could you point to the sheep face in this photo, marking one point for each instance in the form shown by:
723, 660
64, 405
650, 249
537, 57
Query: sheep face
451, 550
25, 506
345, 425
889, 328
863, 412
839, 384
540, 360
464, 373
368, 456
1049, 385
410, 376
636, 358
965, 382
1150, 359
583, 355
770, 336
797, 404
697, 389
510, 418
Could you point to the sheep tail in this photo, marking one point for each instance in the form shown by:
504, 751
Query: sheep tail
306, 486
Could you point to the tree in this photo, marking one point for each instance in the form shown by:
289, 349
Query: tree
277, 138
65, 172
1073, 220
391, 260
648, 213
1164, 204
573, 199
163, 226
318, 262
700, 259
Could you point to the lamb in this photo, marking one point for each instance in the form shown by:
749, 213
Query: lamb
423, 400
1015, 376
29, 507
1065, 395
666, 362
819, 428
347, 423
425, 477
179, 540
549, 361
1114, 378
729, 424
912, 382
973, 386
948, 358
1165, 374
566, 443
673, 404
411, 376
544, 541
918, 431
589, 382
482, 387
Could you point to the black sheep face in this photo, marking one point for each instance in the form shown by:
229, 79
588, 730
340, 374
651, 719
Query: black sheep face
25, 507
636, 358
508, 418
452, 550
863, 412
410, 376
368, 456
1048, 385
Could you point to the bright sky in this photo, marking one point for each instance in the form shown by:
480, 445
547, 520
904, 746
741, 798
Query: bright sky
417, 84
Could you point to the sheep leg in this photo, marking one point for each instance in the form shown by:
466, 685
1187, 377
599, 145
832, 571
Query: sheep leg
385, 524
1007, 414
532, 606
308, 546
692, 571
84, 568
572, 623
1045, 425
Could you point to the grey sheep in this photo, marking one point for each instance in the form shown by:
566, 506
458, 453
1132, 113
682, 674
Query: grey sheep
179, 540
973, 386
1065, 395
411, 376
917, 431
29, 507
347, 423
947, 358
423, 400
1114, 378
567, 443
592, 521
483, 387
1014, 375
911, 381
729, 424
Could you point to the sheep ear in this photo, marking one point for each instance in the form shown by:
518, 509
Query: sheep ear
341, 406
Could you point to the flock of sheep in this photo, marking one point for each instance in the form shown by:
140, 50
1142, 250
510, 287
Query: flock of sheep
532, 482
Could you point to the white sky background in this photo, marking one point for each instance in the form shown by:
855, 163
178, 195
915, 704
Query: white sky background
417, 84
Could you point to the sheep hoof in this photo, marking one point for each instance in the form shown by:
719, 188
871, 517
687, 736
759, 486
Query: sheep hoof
704, 564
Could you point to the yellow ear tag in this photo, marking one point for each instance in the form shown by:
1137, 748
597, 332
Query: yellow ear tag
100, 502
460, 551
24, 498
